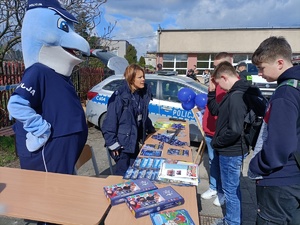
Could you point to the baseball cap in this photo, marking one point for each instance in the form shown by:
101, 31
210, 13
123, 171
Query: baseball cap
242, 64
53, 5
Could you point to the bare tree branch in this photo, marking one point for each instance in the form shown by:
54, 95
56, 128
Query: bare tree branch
12, 14
10, 25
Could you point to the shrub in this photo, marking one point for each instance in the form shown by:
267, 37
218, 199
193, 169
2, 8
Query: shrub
7, 150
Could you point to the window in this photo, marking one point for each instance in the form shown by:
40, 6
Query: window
170, 90
205, 61
175, 62
153, 85
240, 57
196, 86
112, 86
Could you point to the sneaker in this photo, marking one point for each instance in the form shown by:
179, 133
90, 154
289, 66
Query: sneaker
209, 194
220, 200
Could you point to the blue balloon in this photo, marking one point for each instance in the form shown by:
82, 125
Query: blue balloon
188, 105
185, 95
201, 100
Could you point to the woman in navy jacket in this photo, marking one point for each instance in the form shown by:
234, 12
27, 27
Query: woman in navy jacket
127, 121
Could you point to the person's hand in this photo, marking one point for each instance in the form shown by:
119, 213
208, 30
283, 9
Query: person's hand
212, 84
34, 143
115, 152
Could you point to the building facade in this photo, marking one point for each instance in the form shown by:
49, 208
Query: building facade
150, 60
180, 50
118, 47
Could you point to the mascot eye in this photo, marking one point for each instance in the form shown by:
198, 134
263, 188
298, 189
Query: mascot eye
62, 24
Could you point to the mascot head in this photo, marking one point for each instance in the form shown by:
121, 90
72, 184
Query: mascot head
48, 37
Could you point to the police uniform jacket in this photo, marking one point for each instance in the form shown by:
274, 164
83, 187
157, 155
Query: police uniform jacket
127, 120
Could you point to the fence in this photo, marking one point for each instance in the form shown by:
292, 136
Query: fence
10, 76
11, 73
84, 79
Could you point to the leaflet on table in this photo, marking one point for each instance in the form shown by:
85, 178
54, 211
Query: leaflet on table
180, 216
116, 193
180, 172
162, 125
144, 167
181, 182
169, 138
152, 150
153, 201
180, 152
151, 153
168, 124
158, 146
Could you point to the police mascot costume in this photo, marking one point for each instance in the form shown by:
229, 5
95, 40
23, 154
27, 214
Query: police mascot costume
50, 127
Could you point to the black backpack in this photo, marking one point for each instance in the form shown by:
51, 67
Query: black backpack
256, 107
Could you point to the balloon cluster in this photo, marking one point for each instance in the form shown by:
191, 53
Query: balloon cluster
189, 99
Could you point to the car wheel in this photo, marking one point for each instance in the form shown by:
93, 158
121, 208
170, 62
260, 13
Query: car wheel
101, 119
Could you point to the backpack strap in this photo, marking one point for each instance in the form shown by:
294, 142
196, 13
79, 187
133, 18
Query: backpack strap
296, 84
290, 82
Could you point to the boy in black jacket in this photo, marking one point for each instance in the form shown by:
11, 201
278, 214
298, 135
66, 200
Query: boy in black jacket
227, 140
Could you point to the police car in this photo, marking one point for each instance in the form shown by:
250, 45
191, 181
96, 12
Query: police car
165, 103
267, 88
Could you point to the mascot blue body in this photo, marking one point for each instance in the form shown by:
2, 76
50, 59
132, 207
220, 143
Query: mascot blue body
50, 123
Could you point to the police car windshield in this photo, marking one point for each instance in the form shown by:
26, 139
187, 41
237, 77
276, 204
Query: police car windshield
198, 86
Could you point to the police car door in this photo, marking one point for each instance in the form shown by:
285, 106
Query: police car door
155, 103
170, 106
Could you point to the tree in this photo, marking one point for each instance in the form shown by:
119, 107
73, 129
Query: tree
131, 54
94, 42
89, 15
142, 62
12, 13
83, 26
11, 16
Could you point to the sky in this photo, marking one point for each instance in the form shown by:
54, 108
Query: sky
138, 20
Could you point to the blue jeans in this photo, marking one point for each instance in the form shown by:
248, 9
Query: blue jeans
230, 176
214, 168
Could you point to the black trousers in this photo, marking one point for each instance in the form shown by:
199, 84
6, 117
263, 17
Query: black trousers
124, 160
278, 205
